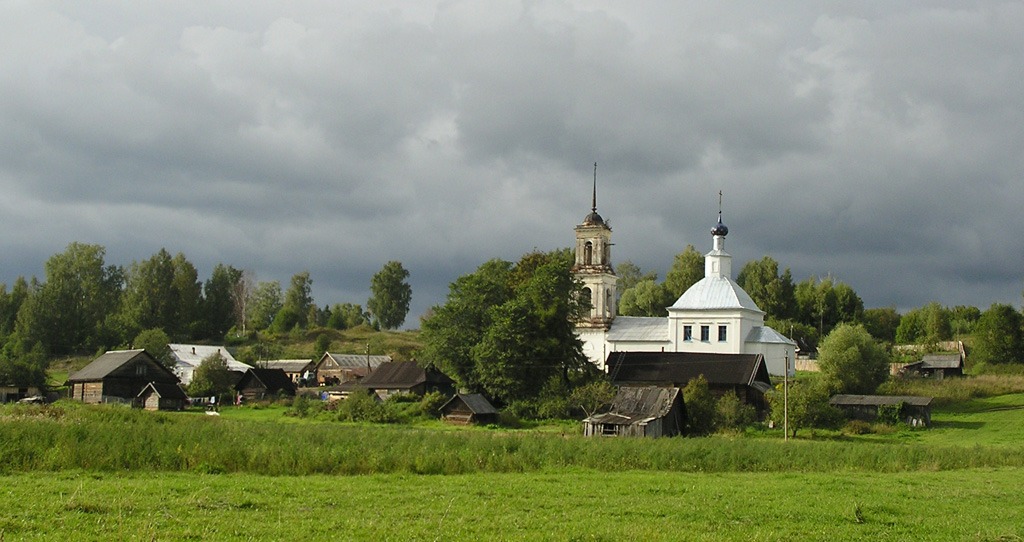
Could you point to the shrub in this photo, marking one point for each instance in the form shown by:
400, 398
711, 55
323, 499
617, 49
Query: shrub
889, 414
856, 427
852, 361
430, 405
733, 413
362, 406
700, 406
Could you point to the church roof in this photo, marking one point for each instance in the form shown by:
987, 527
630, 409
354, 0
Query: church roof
765, 334
712, 293
638, 328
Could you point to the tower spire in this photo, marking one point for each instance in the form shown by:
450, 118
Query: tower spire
593, 206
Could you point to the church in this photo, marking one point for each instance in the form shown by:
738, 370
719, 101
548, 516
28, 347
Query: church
714, 316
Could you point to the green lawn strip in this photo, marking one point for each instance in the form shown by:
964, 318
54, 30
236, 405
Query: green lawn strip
976, 504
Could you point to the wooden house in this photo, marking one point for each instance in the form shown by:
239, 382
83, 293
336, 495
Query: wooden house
333, 369
296, 369
188, 357
647, 411
467, 408
260, 384
744, 374
397, 377
914, 410
161, 396
117, 377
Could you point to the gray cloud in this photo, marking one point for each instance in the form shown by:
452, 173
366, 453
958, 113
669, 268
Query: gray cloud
878, 143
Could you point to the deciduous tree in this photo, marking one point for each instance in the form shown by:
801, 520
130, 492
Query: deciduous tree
851, 361
390, 294
998, 337
687, 269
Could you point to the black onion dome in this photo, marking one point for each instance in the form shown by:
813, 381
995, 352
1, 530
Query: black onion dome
720, 229
593, 219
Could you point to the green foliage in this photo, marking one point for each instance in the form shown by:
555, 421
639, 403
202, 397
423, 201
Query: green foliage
592, 396
701, 415
889, 414
430, 405
212, 378
826, 303
732, 413
774, 294
851, 361
219, 304
630, 275
926, 325
808, 406
22, 364
882, 323
806, 336
998, 337
10, 304
323, 344
508, 329
68, 313
647, 298
266, 302
297, 302
390, 294
687, 269
154, 341
347, 316
363, 406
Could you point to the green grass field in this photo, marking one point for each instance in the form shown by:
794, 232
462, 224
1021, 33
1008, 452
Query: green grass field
551, 505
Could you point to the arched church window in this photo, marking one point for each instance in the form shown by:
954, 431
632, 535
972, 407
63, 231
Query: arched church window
587, 297
588, 253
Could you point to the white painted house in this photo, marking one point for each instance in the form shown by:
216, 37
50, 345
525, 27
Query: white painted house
187, 358
714, 315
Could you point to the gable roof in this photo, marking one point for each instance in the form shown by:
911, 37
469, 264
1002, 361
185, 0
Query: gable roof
715, 293
678, 368
113, 360
402, 375
639, 403
194, 354
354, 361
765, 334
289, 365
942, 361
272, 380
165, 390
638, 328
477, 404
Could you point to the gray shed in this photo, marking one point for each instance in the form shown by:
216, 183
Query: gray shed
914, 410
467, 408
640, 411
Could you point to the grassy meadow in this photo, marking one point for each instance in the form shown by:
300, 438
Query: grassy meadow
84, 473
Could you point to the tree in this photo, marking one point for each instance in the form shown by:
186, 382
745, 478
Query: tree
687, 269
218, 301
298, 299
69, 312
266, 302
241, 294
10, 304
212, 378
630, 275
882, 323
851, 361
773, 294
508, 330
390, 294
826, 303
808, 402
22, 365
700, 407
163, 292
155, 342
346, 316
647, 298
997, 336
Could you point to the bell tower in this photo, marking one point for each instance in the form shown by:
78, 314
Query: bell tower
593, 266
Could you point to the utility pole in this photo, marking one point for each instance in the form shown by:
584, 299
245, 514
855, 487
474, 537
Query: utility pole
785, 402
368, 368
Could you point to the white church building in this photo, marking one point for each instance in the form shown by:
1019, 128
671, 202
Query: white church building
714, 315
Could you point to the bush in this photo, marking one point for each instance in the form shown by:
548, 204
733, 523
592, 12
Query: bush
856, 427
700, 407
363, 406
852, 361
889, 414
733, 413
430, 405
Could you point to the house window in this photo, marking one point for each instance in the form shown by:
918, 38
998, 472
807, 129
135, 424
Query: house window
687, 333
721, 334
705, 333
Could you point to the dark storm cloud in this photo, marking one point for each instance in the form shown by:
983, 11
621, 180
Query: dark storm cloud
877, 143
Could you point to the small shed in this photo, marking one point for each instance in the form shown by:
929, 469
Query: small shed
643, 411
938, 366
161, 396
259, 384
467, 408
913, 410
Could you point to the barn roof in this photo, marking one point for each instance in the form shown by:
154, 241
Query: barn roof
353, 360
638, 403
877, 400
272, 380
402, 375
941, 361
477, 404
110, 362
289, 365
678, 368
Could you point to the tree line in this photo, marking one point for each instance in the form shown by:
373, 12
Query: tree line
84, 306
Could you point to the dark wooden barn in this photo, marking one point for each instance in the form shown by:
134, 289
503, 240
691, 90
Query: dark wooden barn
397, 377
260, 384
937, 366
914, 410
117, 377
648, 411
744, 374
161, 396
467, 408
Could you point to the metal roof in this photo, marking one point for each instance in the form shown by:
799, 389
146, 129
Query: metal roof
876, 400
402, 375
941, 361
194, 354
289, 365
638, 328
715, 293
110, 362
355, 360
765, 334
477, 404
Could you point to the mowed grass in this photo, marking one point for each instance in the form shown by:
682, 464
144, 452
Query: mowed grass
570, 504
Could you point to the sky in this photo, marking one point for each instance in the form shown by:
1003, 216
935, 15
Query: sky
880, 143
